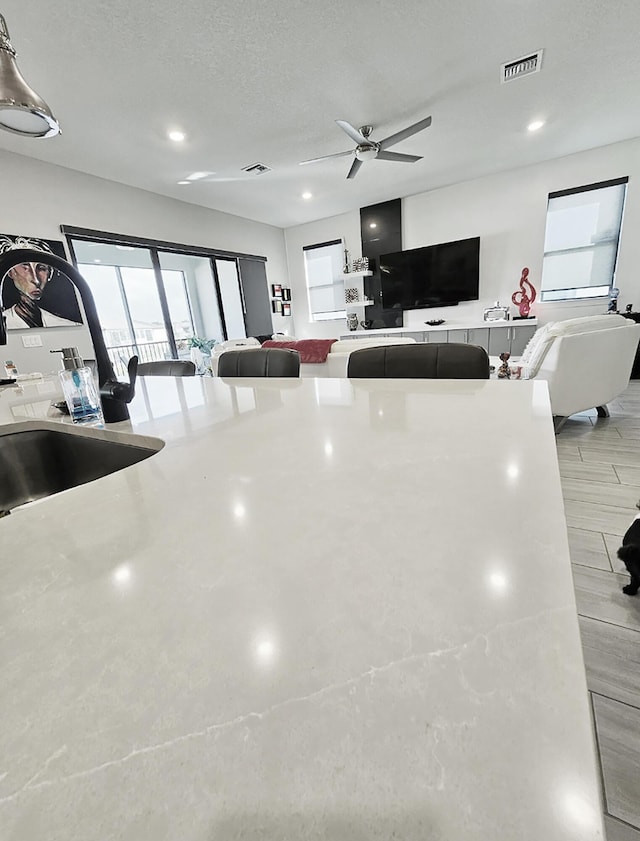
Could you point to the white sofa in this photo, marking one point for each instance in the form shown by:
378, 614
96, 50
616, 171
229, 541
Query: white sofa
338, 356
585, 361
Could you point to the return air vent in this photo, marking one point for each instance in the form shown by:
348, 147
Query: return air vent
256, 169
524, 66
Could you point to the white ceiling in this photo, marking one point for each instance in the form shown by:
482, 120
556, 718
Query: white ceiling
263, 81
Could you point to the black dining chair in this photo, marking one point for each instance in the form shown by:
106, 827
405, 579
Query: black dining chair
259, 362
167, 368
443, 360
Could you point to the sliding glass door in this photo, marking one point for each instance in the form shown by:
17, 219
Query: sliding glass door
123, 282
157, 302
150, 303
192, 298
231, 297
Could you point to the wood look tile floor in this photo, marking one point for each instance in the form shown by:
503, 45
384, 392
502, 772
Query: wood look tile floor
599, 461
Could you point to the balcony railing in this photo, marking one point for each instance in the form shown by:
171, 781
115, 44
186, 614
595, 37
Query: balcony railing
145, 351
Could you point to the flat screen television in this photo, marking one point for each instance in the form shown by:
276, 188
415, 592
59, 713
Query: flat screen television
433, 276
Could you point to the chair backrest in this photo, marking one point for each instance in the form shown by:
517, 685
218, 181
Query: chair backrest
261, 362
421, 361
589, 369
538, 346
167, 368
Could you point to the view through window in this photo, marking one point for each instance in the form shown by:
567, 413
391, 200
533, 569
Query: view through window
130, 311
323, 265
581, 241
150, 303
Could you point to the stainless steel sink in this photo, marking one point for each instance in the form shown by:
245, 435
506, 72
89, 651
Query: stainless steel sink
35, 463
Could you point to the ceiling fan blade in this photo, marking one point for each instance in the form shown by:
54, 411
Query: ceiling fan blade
355, 166
406, 132
397, 156
353, 133
326, 157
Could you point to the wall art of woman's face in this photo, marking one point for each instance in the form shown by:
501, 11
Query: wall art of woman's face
30, 279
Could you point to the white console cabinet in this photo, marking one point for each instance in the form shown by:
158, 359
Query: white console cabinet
495, 337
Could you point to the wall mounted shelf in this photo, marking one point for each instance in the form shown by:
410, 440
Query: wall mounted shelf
356, 274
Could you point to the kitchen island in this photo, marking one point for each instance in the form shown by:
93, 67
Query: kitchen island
326, 609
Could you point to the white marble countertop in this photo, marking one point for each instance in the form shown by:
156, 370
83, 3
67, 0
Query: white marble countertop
325, 610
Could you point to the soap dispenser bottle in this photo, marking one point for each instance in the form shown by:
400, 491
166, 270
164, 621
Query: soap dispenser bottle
79, 389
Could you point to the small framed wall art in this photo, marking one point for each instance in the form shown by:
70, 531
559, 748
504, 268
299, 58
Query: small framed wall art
276, 290
286, 293
276, 306
286, 309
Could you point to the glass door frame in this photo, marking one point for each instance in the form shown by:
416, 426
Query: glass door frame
214, 271
164, 305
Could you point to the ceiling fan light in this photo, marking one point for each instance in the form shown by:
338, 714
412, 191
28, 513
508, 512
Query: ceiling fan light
366, 153
22, 111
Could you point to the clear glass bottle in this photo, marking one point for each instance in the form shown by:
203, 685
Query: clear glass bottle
81, 395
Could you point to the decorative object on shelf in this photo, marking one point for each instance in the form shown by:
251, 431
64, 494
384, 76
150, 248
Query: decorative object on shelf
613, 299
276, 306
525, 296
347, 263
366, 325
435, 322
276, 290
352, 321
497, 313
629, 308
286, 309
286, 293
361, 264
351, 294
504, 372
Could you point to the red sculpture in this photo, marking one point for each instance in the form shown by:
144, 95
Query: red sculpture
524, 298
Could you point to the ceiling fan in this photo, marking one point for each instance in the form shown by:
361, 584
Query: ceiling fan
369, 150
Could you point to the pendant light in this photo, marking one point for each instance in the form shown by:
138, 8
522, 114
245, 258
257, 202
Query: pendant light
22, 111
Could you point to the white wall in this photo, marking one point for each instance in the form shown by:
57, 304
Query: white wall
508, 212
346, 227
39, 197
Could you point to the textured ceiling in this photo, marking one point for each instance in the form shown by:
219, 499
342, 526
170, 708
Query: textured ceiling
254, 81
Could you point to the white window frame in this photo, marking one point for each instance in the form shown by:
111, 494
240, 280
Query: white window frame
610, 242
334, 283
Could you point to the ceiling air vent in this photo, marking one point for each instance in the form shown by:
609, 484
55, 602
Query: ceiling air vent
524, 66
256, 169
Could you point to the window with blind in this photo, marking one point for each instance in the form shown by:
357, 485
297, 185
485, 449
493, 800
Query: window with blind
581, 241
323, 264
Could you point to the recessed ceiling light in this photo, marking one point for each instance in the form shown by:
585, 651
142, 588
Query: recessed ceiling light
535, 125
373, 224
307, 195
177, 136
184, 182
196, 176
